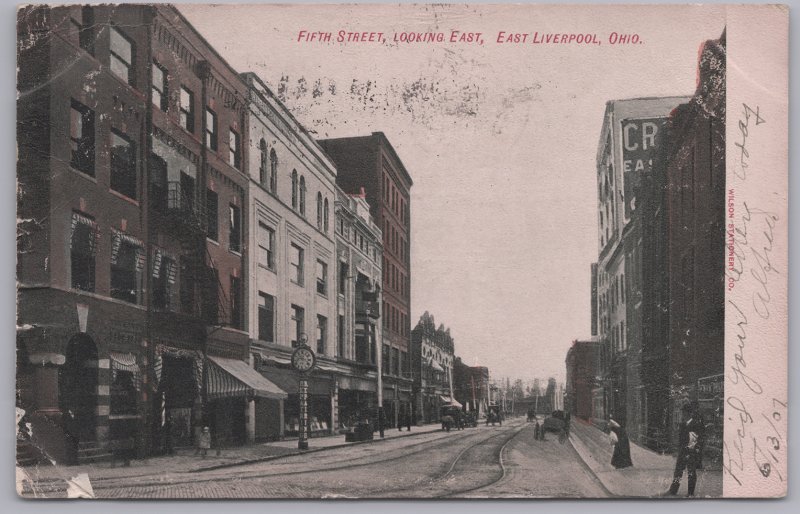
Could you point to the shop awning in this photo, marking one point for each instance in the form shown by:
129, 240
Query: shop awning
289, 381
450, 401
231, 378
436, 366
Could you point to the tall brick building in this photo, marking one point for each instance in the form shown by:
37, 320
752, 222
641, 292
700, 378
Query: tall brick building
131, 268
683, 242
370, 162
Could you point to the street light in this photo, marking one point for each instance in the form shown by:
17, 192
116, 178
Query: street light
303, 360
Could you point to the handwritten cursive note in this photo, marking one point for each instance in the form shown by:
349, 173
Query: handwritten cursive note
755, 425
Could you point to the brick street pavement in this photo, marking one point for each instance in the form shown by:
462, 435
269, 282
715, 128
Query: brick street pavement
650, 475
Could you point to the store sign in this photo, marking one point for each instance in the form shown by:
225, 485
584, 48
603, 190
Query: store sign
640, 142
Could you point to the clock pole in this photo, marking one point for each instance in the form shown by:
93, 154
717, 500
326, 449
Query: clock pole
302, 442
303, 360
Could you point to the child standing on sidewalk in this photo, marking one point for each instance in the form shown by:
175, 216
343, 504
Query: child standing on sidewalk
204, 442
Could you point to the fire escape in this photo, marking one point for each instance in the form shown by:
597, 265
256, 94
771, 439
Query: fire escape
179, 215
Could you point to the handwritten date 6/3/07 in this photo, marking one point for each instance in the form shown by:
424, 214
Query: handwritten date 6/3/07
759, 443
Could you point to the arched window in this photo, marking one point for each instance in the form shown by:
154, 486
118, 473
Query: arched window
273, 171
325, 214
302, 196
319, 211
294, 189
262, 169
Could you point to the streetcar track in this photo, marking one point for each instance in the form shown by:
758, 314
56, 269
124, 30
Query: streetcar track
503, 469
438, 442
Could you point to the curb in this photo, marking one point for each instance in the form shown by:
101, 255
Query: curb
245, 462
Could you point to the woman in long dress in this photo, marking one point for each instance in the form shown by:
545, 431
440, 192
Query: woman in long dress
621, 458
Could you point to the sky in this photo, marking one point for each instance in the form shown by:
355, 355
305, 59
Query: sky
499, 138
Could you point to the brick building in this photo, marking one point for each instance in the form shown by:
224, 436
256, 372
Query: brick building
630, 136
432, 355
682, 268
370, 162
582, 367
131, 271
471, 386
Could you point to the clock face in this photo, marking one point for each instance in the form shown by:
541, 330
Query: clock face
303, 359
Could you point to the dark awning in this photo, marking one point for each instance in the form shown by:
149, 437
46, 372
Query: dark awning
231, 378
289, 381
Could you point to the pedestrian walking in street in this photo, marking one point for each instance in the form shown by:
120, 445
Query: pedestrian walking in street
566, 423
690, 448
204, 442
536, 430
408, 419
621, 457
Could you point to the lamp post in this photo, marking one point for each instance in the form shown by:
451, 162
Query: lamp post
303, 360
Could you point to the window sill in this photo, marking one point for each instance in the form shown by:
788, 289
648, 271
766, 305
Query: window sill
234, 252
212, 241
268, 268
83, 174
300, 284
123, 197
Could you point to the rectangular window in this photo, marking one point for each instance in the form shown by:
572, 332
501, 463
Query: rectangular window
164, 271
385, 357
187, 110
122, 52
127, 262
83, 249
187, 286
322, 334
158, 183
236, 303
266, 317
296, 261
87, 29
211, 297
341, 342
234, 153
266, 246
343, 270
81, 138
211, 129
212, 215
322, 278
159, 89
123, 165
235, 239
395, 362
298, 318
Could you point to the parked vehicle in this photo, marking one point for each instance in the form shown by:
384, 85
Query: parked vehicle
451, 417
470, 419
554, 422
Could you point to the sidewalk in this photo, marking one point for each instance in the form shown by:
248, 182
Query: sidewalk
650, 475
46, 477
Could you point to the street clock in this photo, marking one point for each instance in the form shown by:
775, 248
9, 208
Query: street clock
303, 359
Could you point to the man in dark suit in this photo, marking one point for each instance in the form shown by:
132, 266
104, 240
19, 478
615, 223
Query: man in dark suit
690, 448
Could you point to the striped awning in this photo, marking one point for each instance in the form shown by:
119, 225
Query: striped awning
125, 362
450, 401
230, 378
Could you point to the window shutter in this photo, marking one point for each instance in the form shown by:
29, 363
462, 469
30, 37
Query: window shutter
157, 263
116, 243
172, 271
140, 258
